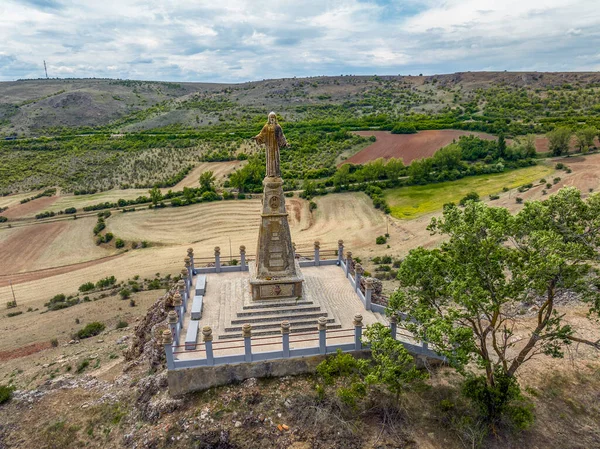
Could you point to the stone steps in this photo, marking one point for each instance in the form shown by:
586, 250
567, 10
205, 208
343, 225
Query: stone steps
277, 325
278, 311
278, 332
273, 304
279, 317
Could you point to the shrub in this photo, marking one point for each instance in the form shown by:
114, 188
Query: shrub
494, 197
70, 210
471, 196
6, 393
99, 227
556, 180
54, 342
132, 302
312, 206
88, 286
121, 324
11, 314
108, 237
380, 240
125, 293
83, 365
106, 282
119, 243
548, 185
404, 128
519, 200
559, 166
90, 330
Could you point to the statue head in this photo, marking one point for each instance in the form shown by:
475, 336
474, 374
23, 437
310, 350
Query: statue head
272, 118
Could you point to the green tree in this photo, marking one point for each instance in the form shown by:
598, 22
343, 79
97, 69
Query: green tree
527, 143
584, 138
207, 181
501, 146
464, 297
155, 195
559, 139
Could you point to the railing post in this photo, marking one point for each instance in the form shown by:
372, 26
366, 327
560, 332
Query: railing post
178, 304
183, 293
358, 271
394, 325
317, 256
186, 280
340, 251
207, 338
247, 334
357, 331
322, 325
173, 319
190, 253
368, 293
188, 267
167, 341
348, 262
285, 338
243, 258
217, 259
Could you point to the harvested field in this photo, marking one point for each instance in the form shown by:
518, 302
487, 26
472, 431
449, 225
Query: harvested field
46, 245
219, 169
31, 208
408, 147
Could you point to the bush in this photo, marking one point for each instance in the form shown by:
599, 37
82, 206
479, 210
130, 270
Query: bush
312, 206
404, 128
70, 210
88, 286
380, 240
6, 393
106, 282
83, 365
121, 324
559, 166
54, 342
11, 314
90, 330
125, 293
556, 180
132, 302
519, 200
471, 196
494, 197
119, 243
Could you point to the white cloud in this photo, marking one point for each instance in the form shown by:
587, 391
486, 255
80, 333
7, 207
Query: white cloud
235, 40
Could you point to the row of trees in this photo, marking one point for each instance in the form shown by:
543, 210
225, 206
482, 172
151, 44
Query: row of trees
561, 137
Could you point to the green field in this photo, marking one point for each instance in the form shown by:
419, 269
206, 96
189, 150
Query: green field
414, 201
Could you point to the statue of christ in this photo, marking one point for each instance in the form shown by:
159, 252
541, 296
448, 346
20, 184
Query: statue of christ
272, 137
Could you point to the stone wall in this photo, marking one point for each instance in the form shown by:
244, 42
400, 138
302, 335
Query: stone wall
186, 380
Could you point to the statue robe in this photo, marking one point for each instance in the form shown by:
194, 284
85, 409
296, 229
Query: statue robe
273, 139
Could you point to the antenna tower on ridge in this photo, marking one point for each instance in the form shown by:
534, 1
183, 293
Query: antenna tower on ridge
45, 69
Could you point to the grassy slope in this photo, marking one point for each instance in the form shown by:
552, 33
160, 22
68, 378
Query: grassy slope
414, 201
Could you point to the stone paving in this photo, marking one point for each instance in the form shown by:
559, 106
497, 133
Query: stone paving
227, 293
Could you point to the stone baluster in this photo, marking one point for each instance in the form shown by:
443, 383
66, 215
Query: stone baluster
187, 281
167, 341
348, 262
178, 305
394, 325
368, 293
182, 291
317, 255
285, 338
172, 320
357, 331
358, 272
247, 334
217, 259
190, 253
322, 325
340, 251
243, 258
188, 267
207, 338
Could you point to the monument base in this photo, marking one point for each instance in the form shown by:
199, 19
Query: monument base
283, 287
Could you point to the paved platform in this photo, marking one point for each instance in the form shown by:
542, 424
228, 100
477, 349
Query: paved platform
325, 287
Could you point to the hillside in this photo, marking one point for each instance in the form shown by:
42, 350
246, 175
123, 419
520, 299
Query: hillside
41, 107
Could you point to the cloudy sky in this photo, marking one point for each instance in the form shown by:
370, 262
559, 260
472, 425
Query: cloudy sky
237, 40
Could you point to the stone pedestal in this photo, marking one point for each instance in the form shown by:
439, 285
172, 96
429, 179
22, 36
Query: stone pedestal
275, 274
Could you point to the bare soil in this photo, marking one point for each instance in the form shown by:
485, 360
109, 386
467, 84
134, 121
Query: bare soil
29, 209
408, 147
